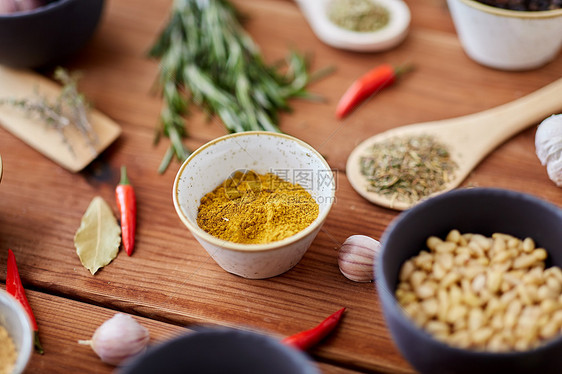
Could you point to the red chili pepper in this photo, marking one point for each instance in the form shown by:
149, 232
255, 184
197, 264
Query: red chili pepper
373, 81
309, 338
15, 288
127, 204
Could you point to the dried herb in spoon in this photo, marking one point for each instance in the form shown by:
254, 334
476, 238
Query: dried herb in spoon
408, 169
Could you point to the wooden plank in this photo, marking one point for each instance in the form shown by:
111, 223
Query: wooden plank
63, 322
170, 277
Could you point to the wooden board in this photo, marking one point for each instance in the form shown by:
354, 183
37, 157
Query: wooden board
78, 321
70, 149
170, 277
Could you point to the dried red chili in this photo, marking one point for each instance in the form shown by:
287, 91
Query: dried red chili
127, 204
373, 81
307, 339
15, 288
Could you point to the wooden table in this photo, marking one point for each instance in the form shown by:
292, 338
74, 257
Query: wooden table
170, 282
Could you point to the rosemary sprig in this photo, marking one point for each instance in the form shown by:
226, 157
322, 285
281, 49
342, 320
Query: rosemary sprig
207, 59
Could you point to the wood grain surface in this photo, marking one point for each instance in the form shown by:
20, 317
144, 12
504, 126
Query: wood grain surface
170, 281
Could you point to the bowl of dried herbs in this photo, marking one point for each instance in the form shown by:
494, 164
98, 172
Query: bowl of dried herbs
255, 200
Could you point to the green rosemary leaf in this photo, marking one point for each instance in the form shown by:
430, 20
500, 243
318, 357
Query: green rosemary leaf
207, 59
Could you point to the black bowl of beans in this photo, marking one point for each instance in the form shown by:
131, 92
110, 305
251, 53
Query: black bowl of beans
470, 281
36, 33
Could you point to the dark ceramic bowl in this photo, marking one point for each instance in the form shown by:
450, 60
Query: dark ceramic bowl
217, 351
49, 34
478, 210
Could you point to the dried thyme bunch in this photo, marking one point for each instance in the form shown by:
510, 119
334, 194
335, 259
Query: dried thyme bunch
206, 58
67, 110
407, 168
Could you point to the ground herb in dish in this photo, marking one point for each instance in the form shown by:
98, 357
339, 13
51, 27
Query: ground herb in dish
407, 169
358, 15
252, 208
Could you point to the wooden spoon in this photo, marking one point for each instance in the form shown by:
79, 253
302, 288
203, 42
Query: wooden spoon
469, 138
74, 152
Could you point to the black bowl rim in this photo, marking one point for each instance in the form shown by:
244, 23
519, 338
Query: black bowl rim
389, 300
298, 357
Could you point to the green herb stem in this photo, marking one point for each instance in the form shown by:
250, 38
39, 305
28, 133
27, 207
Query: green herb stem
207, 59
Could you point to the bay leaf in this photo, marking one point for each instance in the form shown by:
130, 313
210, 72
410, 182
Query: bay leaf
98, 238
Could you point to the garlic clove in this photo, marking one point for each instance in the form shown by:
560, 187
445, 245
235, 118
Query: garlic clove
548, 144
119, 338
554, 170
356, 258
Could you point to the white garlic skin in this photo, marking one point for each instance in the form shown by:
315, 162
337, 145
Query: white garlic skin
356, 258
548, 144
119, 338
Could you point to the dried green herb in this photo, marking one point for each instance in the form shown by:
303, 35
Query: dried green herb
408, 169
67, 110
98, 238
358, 15
207, 59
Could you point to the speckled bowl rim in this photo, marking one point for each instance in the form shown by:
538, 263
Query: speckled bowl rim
544, 14
225, 244
42, 9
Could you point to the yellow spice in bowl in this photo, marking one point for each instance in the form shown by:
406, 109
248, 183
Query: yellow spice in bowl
8, 353
252, 208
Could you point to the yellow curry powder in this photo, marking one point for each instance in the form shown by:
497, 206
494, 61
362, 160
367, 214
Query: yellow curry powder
252, 208
8, 353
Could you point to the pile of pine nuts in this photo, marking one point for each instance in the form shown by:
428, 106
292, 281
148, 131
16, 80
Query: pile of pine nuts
482, 293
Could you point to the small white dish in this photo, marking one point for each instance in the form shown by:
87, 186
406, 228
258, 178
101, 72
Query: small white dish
507, 39
385, 38
16, 321
264, 152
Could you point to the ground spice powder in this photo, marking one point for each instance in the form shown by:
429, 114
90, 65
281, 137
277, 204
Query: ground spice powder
252, 208
358, 15
8, 353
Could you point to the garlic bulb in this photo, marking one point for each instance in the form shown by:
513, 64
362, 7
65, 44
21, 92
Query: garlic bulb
548, 144
118, 339
357, 257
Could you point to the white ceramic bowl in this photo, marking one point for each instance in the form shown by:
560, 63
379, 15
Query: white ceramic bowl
15, 320
507, 39
289, 158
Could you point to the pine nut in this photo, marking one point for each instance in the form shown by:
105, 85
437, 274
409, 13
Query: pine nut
453, 236
476, 292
